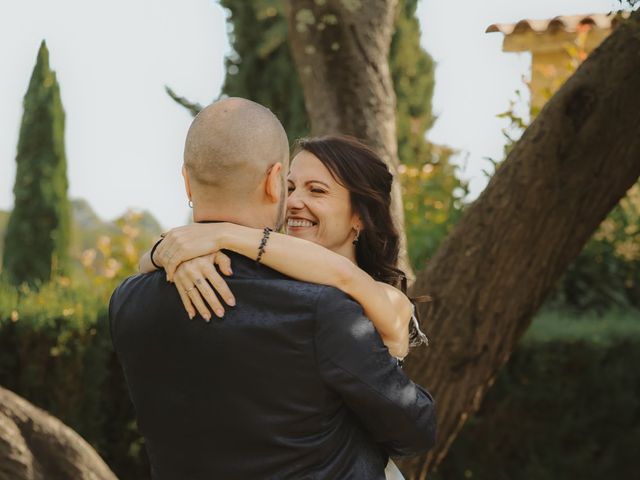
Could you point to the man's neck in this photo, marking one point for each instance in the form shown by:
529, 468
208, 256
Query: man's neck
246, 218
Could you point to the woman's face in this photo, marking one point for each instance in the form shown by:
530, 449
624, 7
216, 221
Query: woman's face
318, 207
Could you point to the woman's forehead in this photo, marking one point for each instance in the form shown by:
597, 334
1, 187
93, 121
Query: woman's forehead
305, 166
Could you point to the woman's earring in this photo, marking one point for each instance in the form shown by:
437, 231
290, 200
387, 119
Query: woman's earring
357, 237
190, 204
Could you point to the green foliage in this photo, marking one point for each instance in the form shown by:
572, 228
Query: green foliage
432, 192
38, 232
261, 67
565, 406
4, 219
606, 274
55, 348
56, 352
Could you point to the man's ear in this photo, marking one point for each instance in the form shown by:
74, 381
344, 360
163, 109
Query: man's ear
274, 184
187, 184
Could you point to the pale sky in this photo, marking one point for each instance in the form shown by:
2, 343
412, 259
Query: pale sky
124, 135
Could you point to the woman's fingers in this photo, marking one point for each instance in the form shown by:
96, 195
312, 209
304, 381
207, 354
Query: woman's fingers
198, 302
170, 266
194, 274
210, 297
186, 301
184, 281
223, 262
219, 284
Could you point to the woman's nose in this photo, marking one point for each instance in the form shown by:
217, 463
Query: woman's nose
294, 201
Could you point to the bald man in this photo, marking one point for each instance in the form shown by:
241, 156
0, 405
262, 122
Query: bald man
294, 382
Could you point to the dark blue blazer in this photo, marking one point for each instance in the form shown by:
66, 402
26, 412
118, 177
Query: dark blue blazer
293, 383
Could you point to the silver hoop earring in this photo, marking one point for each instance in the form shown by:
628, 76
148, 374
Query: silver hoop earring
357, 237
190, 204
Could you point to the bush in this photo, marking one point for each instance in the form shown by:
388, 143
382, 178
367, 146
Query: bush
56, 352
566, 406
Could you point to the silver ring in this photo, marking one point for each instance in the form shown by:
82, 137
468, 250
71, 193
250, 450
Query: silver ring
187, 291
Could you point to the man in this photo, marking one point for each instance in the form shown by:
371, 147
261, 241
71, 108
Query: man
294, 382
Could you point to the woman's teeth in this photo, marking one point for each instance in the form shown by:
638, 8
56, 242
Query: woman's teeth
299, 223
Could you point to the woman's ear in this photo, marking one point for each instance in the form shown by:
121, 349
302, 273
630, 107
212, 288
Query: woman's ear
356, 222
274, 183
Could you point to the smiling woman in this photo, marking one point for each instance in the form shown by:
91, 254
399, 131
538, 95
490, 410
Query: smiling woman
339, 232
319, 208
348, 187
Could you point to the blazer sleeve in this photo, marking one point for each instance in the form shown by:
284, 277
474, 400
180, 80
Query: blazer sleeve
398, 414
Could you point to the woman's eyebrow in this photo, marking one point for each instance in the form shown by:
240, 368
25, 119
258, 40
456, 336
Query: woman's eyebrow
316, 181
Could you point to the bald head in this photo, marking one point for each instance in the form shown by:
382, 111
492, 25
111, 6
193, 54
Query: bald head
230, 146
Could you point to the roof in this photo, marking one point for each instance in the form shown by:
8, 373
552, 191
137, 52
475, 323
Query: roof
563, 23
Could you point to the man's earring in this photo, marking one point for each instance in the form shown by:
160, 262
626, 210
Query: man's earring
190, 204
357, 237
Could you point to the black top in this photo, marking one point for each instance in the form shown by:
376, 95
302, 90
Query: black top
293, 383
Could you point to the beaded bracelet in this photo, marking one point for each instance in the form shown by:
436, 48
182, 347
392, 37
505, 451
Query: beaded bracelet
153, 250
263, 243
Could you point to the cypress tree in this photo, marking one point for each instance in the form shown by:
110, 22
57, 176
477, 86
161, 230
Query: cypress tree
38, 231
431, 191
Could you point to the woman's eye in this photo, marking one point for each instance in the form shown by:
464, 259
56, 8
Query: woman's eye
317, 190
290, 189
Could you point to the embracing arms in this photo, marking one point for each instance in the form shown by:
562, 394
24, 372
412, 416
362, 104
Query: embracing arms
389, 309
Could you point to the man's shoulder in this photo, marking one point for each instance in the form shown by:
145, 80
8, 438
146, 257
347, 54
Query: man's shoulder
135, 286
337, 311
137, 282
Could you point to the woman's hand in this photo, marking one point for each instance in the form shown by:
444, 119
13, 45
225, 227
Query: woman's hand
184, 243
194, 280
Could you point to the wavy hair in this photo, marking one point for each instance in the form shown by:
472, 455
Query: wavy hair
362, 172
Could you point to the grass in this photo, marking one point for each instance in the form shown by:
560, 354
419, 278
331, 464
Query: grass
558, 325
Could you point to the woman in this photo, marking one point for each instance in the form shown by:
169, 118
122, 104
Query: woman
339, 199
340, 232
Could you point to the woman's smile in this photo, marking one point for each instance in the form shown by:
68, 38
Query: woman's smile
298, 223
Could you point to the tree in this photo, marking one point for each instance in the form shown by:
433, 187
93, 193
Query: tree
35, 445
37, 236
261, 68
569, 169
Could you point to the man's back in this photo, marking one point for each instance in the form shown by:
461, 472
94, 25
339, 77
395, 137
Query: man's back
292, 383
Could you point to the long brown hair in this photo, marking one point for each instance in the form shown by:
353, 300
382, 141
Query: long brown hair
367, 178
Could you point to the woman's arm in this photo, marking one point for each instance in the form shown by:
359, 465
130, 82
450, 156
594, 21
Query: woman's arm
145, 265
388, 308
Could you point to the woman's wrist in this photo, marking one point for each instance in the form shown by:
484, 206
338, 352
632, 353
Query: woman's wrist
227, 236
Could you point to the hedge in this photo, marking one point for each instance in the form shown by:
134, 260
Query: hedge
567, 405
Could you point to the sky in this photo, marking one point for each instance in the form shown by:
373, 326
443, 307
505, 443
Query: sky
124, 135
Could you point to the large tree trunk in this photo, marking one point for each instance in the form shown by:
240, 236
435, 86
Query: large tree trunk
341, 51
34, 446
571, 167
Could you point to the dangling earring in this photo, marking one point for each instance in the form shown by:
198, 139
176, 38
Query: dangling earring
357, 237
190, 204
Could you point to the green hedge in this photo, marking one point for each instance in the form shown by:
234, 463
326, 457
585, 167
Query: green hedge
56, 352
566, 406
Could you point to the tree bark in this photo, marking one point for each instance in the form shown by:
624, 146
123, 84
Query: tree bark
34, 446
341, 52
571, 167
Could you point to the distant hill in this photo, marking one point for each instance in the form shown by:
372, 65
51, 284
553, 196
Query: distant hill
87, 227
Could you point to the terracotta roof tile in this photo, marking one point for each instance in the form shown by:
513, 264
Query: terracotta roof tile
566, 23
